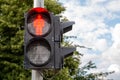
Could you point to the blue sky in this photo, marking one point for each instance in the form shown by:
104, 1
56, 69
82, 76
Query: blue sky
97, 26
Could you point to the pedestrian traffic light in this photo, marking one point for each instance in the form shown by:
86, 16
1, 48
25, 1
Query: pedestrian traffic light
38, 39
42, 40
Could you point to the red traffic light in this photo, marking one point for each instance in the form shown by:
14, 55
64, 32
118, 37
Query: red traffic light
38, 22
39, 39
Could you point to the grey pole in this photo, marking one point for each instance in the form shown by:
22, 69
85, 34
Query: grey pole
38, 3
36, 74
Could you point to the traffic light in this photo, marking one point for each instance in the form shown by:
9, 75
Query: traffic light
42, 40
38, 39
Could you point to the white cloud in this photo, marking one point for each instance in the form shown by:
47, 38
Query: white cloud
114, 67
113, 6
113, 53
116, 33
101, 44
110, 58
96, 1
89, 57
90, 24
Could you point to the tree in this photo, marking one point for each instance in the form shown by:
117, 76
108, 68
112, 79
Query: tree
11, 40
11, 36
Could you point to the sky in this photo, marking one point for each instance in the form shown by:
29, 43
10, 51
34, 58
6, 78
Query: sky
97, 26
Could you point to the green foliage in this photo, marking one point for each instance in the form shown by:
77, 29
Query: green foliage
62, 74
11, 40
54, 6
72, 63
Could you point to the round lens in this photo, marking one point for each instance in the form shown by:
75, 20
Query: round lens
38, 52
38, 24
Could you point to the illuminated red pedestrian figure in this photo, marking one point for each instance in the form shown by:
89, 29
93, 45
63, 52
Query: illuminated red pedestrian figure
39, 24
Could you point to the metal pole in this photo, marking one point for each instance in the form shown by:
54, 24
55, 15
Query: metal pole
38, 3
36, 74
